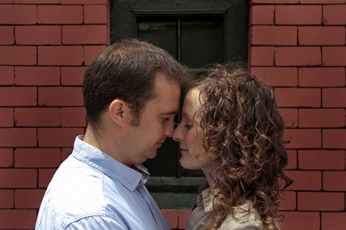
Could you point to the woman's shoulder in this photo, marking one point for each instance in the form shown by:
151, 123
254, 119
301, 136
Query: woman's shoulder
243, 218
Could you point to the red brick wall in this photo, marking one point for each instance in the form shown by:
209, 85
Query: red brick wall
298, 47
45, 46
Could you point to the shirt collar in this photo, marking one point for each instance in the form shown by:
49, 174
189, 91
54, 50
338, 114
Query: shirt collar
128, 177
204, 200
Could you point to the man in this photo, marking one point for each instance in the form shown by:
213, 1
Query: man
131, 95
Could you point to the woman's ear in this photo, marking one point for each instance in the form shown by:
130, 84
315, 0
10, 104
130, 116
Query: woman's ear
119, 112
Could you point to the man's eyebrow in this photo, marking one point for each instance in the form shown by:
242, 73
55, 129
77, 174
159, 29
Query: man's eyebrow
169, 113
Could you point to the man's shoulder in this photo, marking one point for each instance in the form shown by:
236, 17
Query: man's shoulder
78, 191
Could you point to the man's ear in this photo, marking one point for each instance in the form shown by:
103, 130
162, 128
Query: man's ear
119, 112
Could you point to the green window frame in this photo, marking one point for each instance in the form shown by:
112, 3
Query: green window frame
179, 191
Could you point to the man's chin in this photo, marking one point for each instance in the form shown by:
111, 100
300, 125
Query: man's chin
152, 154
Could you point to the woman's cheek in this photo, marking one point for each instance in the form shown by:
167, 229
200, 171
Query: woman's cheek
191, 136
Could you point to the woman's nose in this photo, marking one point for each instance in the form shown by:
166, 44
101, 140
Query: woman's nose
177, 134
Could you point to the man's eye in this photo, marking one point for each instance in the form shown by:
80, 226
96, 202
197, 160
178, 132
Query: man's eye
166, 118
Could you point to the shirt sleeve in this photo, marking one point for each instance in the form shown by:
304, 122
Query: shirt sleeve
96, 222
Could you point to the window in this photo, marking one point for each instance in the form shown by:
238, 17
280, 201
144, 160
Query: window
196, 33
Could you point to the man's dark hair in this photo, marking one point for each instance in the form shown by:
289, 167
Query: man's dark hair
126, 70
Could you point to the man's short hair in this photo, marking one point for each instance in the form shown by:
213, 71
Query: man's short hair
126, 70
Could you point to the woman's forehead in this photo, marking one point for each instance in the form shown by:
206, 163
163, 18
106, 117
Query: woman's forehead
192, 103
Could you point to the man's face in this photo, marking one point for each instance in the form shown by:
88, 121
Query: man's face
156, 122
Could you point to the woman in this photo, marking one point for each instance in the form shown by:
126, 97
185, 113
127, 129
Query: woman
231, 129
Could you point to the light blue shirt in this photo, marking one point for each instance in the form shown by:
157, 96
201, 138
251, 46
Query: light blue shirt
92, 190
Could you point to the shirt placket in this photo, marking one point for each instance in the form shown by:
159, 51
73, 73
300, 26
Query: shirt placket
145, 197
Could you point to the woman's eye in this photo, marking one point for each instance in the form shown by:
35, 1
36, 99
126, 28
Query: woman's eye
188, 126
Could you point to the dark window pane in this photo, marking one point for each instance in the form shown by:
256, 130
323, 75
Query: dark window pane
201, 40
165, 163
160, 31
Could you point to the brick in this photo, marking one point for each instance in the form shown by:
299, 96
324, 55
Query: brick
298, 15
58, 137
290, 117
261, 15
60, 55
322, 77
18, 14
171, 216
261, 56
65, 153
6, 115
85, 34
6, 158
334, 181
332, 221
50, 2
37, 157
91, 52
305, 180
60, 96
277, 76
288, 201
334, 97
183, 217
334, 15
322, 1
334, 138
292, 159
7, 35
273, 35
274, 1
85, 2
322, 159
38, 35
37, 76
7, 75
301, 221
6, 1
297, 56
321, 118
96, 14
327, 201
18, 137
18, 55
59, 14
303, 138
73, 117
298, 97
6, 198
28, 198
72, 75
18, 96
334, 56
18, 219
18, 178
321, 35
37, 117
45, 176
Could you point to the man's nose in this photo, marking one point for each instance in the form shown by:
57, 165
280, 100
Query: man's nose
169, 129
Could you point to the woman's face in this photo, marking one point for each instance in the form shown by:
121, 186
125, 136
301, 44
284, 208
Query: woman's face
189, 134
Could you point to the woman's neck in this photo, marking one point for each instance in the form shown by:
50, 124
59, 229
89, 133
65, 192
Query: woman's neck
210, 175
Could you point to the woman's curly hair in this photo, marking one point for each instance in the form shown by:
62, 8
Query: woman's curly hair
244, 136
